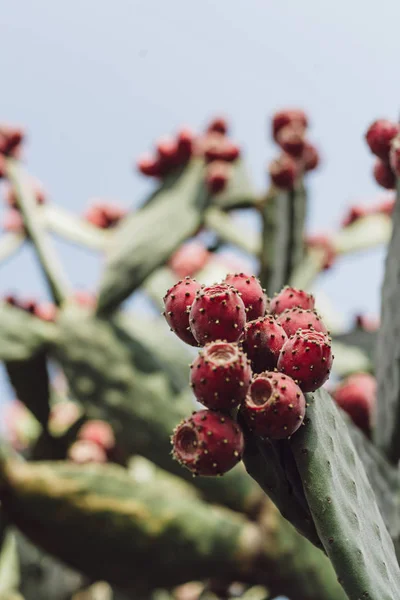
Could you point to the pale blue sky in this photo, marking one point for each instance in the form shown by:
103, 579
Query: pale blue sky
95, 82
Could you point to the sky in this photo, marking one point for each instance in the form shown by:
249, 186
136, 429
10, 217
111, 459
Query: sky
96, 82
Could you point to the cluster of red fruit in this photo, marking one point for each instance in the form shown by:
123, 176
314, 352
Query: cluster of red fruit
215, 146
104, 215
259, 356
299, 156
384, 141
11, 139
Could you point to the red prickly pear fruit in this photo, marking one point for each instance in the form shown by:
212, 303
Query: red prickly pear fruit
307, 358
262, 342
185, 142
220, 376
310, 158
394, 158
217, 313
324, 243
189, 259
218, 147
367, 323
293, 319
98, 432
386, 206
274, 406
83, 452
254, 297
208, 443
47, 311
288, 117
177, 302
356, 395
10, 139
13, 221
379, 136
218, 125
217, 176
167, 151
149, 165
290, 297
384, 176
283, 172
291, 139
354, 214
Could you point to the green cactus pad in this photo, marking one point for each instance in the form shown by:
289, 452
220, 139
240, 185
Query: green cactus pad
343, 504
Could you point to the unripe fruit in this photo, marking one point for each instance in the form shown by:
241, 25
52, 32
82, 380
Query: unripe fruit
307, 358
99, 432
177, 302
217, 176
217, 313
189, 259
288, 116
291, 140
283, 172
262, 341
310, 158
220, 376
275, 406
290, 297
208, 443
254, 298
384, 175
357, 396
293, 319
379, 137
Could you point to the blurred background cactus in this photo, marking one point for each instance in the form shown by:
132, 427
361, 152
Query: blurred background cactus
92, 504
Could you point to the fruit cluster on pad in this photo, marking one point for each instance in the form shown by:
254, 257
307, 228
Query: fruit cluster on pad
257, 358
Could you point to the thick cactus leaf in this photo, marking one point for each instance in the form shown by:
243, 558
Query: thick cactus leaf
30, 380
21, 334
131, 517
363, 234
283, 237
146, 238
343, 504
386, 434
349, 359
239, 193
74, 229
36, 231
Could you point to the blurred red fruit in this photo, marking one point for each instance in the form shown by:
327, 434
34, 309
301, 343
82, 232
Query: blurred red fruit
291, 139
218, 125
379, 137
288, 117
310, 158
283, 172
384, 175
217, 176
325, 243
148, 165
189, 259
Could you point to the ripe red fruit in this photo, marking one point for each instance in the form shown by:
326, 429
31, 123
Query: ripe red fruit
384, 175
283, 172
46, 311
290, 297
218, 147
395, 155
291, 139
307, 358
288, 117
254, 298
177, 302
217, 176
208, 443
99, 432
220, 376
293, 319
275, 406
167, 151
354, 214
185, 142
357, 396
10, 139
149, 165
10, 196
310, 158
386, 206
218, 125
217, 313
263, 341
379, 136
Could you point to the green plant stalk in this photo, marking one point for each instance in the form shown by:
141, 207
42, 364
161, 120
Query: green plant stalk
51, 266
128, 521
